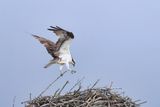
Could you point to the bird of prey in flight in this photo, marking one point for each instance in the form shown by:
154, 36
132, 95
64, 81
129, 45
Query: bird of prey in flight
60, 51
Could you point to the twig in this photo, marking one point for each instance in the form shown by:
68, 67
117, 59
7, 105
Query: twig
95, 84
63, 87
79, 81
51, 84
111, 85
14, 99
30, 96
79, 88
142, 102
55, 94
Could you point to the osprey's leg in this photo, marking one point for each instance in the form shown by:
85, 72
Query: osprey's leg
61, 70
73, 71
50, 63
69, 69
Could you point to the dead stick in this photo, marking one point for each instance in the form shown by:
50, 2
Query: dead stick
79, 88
30, 96
51, 84
14, 99
95, 84
111, 85
142, 102
63, 87
55, 93
76, 84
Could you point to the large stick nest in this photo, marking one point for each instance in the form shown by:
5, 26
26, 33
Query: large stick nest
91, 97
104, 97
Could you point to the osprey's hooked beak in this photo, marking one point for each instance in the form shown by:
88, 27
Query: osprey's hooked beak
70, 34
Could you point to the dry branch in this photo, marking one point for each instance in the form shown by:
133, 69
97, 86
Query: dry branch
51, 84
62, 88
14, 100
78, 83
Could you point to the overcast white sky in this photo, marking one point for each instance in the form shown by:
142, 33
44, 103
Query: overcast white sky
115, 40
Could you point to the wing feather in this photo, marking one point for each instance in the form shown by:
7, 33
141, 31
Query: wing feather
61, 33
62, 46
49, 45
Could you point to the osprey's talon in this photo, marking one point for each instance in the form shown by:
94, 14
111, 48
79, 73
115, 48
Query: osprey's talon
73, 71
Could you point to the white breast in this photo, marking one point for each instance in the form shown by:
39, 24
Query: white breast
65, 48
64, 52
65, 58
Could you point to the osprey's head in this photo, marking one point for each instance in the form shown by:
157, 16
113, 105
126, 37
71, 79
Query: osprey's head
70, 34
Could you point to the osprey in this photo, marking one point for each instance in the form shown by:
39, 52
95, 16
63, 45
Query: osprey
60, 51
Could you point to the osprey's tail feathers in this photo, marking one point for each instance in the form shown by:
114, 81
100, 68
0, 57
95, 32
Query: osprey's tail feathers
54, 61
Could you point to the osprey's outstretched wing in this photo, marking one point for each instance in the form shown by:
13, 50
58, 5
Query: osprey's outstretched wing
64, 40
50, 46
61, 33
